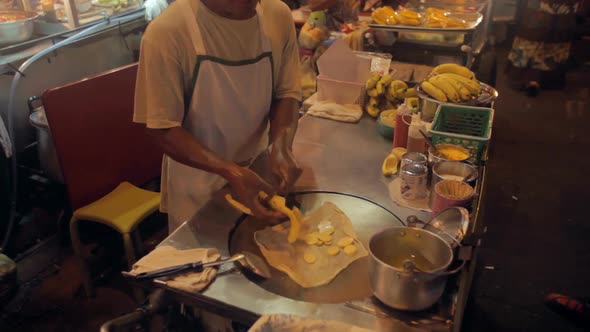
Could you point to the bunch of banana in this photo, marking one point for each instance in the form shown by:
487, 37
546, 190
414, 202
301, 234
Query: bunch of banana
396, 90
454, 69
384, 92
384, 15
453, 83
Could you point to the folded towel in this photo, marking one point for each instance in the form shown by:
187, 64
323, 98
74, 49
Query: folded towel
167, 256
287, 323
334, 111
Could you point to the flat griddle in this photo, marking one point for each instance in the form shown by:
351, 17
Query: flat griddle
352, 283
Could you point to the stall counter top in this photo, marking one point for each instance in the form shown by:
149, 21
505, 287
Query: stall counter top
337, 157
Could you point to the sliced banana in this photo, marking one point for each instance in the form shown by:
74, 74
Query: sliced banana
328, 230
311, 238
309, 258
325, 237
345, 241
350, 249
333, 250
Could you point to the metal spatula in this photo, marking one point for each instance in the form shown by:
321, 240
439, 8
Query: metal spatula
197, 266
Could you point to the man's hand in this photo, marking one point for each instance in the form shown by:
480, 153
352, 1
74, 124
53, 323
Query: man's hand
246, 185
283, 165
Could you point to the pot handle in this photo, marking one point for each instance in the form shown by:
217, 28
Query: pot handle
31, 102
412, 221
409, 266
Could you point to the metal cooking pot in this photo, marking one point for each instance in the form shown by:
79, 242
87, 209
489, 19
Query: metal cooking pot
45, 148
408, 267
17, 31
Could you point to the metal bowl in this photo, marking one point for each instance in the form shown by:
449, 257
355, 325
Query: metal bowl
486, 97
17, 31
429, 105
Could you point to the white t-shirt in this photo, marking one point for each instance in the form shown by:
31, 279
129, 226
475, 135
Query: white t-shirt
167, 58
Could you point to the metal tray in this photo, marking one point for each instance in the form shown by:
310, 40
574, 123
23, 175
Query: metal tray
487, 96
474, 20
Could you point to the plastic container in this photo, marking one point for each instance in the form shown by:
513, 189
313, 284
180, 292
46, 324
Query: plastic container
467, 126
416, 142
340, 92
400, 136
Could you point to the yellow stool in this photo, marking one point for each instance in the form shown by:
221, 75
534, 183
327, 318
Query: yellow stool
122, 209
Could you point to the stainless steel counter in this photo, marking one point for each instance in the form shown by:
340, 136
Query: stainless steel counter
336, 157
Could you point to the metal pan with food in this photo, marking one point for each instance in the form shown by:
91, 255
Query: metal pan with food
16, 26
432, 19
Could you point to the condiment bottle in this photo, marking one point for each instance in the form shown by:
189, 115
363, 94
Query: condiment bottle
416, 142
400, 135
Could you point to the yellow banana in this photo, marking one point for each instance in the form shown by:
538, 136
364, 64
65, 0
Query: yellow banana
453, 68
471, 85
463, 92
372, 81
373, 93
433, 91
390, 165
384, 15
373, 107
396, 90
448, 89
383, 83
241, 207
410, 93
278, 203
410, 14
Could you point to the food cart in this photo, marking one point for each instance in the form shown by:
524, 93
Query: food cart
335, 170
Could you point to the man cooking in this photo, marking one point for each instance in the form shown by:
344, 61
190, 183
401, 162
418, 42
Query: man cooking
218, 83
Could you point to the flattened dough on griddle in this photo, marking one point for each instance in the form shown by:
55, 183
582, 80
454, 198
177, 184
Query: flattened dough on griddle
289, 257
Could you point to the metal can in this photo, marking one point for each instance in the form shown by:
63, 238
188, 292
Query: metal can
414, 158
413, 185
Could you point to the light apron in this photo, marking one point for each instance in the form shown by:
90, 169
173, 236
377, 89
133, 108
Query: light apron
228, 113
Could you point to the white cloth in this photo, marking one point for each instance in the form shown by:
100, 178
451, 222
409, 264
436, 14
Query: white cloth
334, 111
166, 256
291, 323
154, 8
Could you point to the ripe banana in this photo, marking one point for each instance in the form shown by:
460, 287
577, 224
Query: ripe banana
372, 81
396, 90
453, 68
373, 107
384, 15
410, 93
383, 83
448, 89
373, 93
433, 91
471, 85
409, 14
463, 92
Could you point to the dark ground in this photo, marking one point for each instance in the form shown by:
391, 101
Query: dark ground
537, 237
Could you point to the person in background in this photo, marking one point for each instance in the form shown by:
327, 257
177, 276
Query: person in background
542, 45
217, 85
338, 12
